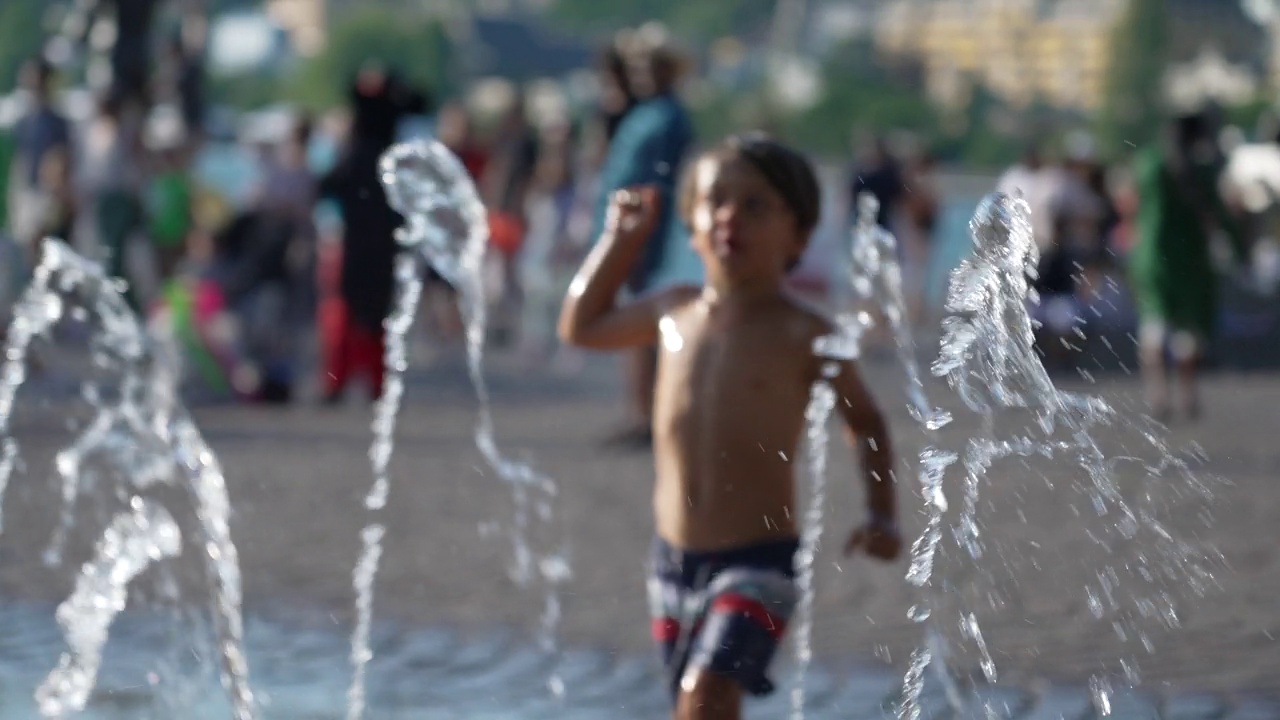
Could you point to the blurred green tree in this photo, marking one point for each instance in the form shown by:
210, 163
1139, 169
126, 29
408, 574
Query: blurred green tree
702, 19
21, 36
414, 43
1133, 100
862, 92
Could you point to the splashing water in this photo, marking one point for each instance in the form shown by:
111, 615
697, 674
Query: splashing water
988, 358
876, 280
447, 225
145, 534
822, 400
143, 436
408, 293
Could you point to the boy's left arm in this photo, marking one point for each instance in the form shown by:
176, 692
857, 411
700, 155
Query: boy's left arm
869, 431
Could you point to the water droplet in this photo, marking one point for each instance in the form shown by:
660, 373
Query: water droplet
1100, 691
555, 685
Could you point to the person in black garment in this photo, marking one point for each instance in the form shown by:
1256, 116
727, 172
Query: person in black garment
380, 99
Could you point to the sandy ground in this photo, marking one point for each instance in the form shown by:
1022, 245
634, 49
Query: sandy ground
297, 476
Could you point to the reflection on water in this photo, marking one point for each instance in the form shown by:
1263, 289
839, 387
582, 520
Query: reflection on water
154, 667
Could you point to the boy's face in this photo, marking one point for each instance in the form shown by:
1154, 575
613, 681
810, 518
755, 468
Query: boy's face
742, 228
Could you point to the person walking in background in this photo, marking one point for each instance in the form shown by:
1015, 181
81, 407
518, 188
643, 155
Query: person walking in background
617, 96
541, 257
918, 219
455, 131
649, 148
9, 263
878, 172
283, 303
1171, 266
169, 203
355, 335
40, 191
505, 190
111, 181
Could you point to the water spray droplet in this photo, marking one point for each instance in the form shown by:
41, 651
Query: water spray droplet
1100, 691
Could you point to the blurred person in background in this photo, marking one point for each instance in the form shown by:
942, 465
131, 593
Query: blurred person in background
878, 172
169, 202
456, 131
513, 158
40, 188
918, 220
542, 261
10, 264
179, 85
614, 101
110, 185
354, 342
617, 96
1037, 181
1172, 272
131, 53
1040, 184
284, 257
1078, 213
649, 148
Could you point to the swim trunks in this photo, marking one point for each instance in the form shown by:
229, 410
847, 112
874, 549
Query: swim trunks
723, 611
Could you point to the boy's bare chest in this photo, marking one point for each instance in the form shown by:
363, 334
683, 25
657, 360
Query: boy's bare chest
714, 363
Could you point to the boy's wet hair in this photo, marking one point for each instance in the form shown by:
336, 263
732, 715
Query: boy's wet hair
787, 171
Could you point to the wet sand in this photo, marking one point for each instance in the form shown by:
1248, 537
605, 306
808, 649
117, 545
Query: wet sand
297, 478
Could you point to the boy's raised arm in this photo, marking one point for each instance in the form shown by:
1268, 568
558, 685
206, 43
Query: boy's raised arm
590, 317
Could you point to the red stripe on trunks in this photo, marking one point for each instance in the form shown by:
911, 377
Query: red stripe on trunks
668, 629
665, 629
752, 608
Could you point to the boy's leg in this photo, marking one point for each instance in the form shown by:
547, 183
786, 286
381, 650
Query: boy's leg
707, 696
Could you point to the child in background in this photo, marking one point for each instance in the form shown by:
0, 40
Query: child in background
169, 209
735, 369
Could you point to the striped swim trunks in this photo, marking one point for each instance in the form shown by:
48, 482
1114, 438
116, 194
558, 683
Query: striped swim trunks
724, 611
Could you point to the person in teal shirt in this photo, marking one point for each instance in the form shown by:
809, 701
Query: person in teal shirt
648, 148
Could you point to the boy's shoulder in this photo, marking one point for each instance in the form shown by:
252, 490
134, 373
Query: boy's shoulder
800, 323
808, 316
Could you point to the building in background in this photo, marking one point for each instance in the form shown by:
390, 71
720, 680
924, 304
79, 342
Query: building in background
1055, 51
1022, 50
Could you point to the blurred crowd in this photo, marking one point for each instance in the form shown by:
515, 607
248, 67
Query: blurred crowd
284, 284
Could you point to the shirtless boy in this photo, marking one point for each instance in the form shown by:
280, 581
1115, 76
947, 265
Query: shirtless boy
734, 376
